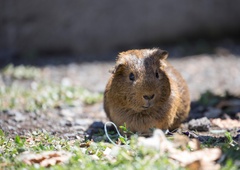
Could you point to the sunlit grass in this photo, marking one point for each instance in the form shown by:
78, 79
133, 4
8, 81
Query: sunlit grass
21, 72
44, 96
39, 93
132, 157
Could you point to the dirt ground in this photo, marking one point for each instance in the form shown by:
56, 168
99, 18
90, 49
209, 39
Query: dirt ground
216, 73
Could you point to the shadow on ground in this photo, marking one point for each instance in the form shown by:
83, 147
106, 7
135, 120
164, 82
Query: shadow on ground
211, 119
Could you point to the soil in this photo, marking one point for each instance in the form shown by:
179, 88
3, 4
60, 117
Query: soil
214, 73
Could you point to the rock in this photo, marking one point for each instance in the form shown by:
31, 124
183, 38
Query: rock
19, 117
95, 128
99, 125
202, 124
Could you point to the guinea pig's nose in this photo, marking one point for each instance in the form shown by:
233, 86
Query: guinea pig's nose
148, 97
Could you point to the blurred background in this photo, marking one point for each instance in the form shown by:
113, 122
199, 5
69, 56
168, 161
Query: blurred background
64, 32
98, 30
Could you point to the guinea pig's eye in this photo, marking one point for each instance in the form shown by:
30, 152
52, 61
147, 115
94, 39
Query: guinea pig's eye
131, 77
157, 75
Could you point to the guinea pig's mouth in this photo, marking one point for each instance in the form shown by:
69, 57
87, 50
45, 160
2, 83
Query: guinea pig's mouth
147, 106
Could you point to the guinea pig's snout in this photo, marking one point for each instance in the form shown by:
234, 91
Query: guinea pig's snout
148, 101
148, 97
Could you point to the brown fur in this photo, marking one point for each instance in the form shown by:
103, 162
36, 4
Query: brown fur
158, 96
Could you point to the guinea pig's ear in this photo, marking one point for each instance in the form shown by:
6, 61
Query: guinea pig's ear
162, 54
119, 65
116, 68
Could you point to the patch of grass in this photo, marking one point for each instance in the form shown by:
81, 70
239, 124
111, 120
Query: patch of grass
44, 96
21, 72
132, 157
92, 155
232, 154
39, 93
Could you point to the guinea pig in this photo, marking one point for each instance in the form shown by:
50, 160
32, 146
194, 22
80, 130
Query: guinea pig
146, 92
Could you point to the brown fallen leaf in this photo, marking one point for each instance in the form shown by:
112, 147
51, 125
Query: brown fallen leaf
183, 142
85, 145
45, 159
180, 141
226, 123
194, 165
205, 157
178, 151
194, 144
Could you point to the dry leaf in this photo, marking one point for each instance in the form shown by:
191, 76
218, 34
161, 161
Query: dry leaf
180, 141
45, 159
206, 157
194, 144
194, 165
158, 142
203, 159
226, 123
85, 145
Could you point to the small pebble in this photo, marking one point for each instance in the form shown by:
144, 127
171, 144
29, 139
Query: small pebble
201, 125
19, 117
99, 125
